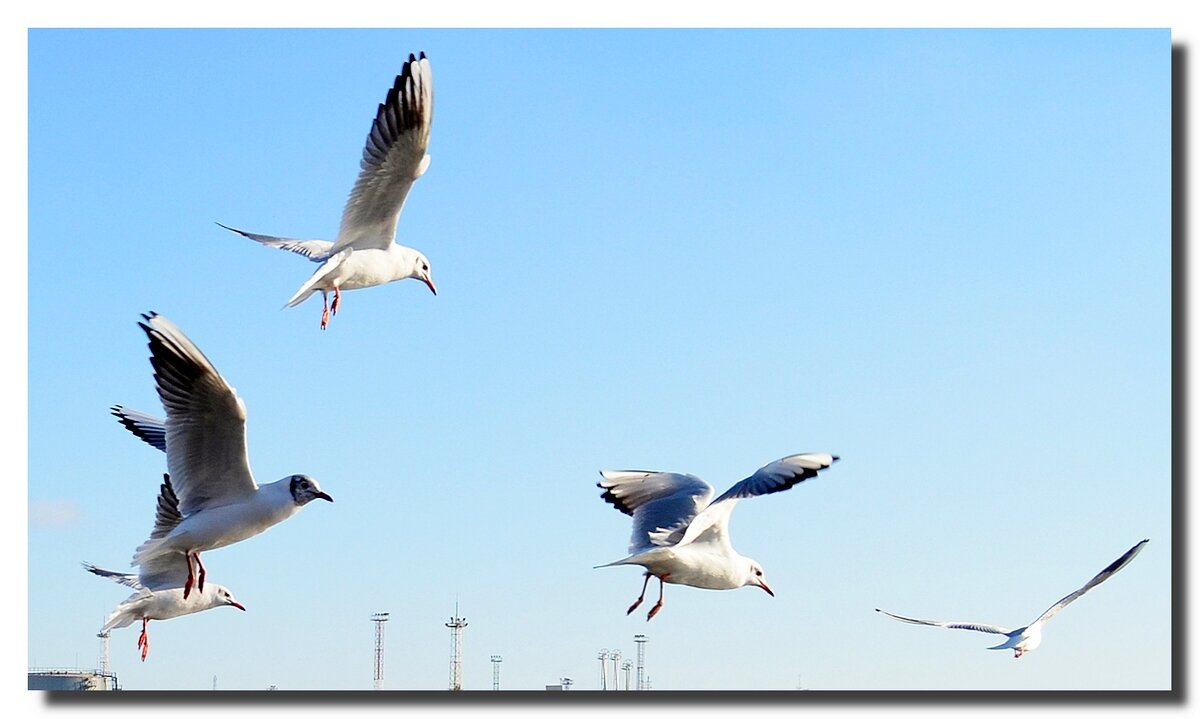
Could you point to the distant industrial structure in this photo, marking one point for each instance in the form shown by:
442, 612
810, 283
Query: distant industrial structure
53, 679
496, 659
619, 667
641, 662
456, 625
379, 618
72, 680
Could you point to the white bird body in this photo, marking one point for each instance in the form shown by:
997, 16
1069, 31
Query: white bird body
204, 437
694, 565
356, 269
681, 537
166, 604
365, 253
220, 526
1027, 638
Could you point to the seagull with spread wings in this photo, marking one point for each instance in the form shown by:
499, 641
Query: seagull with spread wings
204, 436
1026, 639
159, 587
365, 253
681, 537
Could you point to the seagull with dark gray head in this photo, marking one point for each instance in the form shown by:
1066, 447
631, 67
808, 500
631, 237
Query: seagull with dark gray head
159, 591
204, 436
365, 253
681, 537
1026, 639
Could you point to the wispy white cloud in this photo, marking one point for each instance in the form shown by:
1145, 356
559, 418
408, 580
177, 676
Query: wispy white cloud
53, 514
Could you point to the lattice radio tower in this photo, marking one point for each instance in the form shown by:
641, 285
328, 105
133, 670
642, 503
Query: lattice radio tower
603, 671
379, 618
456, 625
625, 667
615, 656
496, 659
103, 653
641, 661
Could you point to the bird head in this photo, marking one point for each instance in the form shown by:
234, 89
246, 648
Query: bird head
422, 272
754, 577
305, 489
225, 597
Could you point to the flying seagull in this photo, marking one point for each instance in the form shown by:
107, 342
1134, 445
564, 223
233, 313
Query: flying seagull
159, 587
681, 537
204, 436
1026, 639
365, 253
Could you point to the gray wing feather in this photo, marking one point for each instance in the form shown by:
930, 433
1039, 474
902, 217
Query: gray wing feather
392, 160
315, 250
662, 504
206, 421
711, 524
1104, 574
129, 580
975, 627
149, 429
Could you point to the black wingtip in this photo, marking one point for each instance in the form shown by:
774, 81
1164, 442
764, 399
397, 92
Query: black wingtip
835, 458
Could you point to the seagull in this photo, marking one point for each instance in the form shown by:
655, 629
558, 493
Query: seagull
159, 587
681, 537
204, 436
1026, 639
365, 253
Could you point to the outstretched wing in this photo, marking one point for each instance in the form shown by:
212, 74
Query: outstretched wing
151, 430
393, 158
129, 580
662, 504
712, 524
315, 250
1104, 574
206, 421
989, 628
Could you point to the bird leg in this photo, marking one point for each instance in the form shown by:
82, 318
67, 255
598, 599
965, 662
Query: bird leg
337, 299
191, 578
144, 639
640, 596
658, 606
324, 309
200, 583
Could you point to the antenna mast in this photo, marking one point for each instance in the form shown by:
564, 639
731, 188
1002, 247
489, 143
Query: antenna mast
641, 662
456, 625
379, 618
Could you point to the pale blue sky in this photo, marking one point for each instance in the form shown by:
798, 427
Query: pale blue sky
942, 255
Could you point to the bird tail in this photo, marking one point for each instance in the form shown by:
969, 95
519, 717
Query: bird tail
617, 563
125, 612
310, 286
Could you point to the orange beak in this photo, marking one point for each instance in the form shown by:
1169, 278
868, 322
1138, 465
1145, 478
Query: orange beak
766, 589
429, 282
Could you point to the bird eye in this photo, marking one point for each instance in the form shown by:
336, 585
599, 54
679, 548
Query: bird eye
758, 572
425, 267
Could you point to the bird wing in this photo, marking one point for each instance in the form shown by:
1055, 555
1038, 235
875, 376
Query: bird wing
206, 422
151, 430
164, 570
393, 158
315, 250
129, 580
1104, 574
662, 504
989, 628
712, 523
